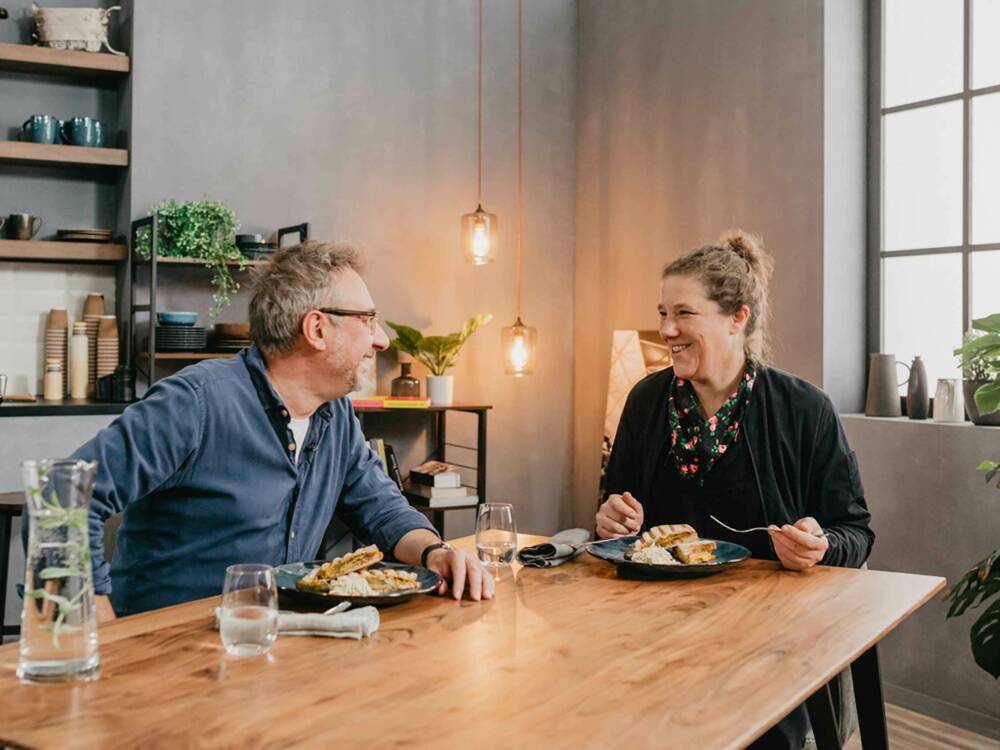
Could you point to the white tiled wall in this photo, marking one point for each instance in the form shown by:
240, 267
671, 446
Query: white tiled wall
27, 292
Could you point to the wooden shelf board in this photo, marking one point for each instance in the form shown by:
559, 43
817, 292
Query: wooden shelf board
27, 58
169, 260
190, 355
457, 406
62, 252
48, 154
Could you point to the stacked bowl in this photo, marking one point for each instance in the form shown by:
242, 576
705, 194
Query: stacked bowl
177, 332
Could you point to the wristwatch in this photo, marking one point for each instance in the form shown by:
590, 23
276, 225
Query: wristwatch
430, 548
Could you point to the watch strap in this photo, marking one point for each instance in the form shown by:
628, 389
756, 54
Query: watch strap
430, 548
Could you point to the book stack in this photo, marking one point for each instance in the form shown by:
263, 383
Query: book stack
438, 485
387, 456
390, 402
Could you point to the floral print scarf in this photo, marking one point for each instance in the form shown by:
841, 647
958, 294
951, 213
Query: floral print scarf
697, 442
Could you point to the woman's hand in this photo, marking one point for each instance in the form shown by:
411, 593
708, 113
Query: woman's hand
619, 515
799, 546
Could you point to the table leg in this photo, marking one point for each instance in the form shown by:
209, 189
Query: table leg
868, 695
823, 719
5, 525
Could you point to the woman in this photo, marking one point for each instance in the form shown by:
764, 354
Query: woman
721, 433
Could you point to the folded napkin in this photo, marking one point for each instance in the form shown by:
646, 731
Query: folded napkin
561, 548
357, 624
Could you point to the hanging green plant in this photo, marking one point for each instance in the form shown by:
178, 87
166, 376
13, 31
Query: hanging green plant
198, 229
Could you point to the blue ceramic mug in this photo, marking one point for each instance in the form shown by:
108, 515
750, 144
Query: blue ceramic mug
83, 131
40, 129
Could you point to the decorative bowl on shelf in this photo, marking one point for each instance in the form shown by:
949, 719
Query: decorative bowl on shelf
177, 318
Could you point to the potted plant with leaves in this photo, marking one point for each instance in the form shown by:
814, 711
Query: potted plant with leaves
979, 587
980, 358
438, 353
203, 230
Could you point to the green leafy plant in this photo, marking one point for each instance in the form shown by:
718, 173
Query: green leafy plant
202, 230
976, 588
438, 353
980, 359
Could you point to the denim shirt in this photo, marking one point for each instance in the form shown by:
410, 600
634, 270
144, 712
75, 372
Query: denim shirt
204, 471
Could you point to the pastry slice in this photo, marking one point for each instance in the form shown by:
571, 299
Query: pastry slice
350, 563
390, 580
696, 551
666, 535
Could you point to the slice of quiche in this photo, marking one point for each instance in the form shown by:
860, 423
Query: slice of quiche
696, 551
352, 562
388, 580
666, 535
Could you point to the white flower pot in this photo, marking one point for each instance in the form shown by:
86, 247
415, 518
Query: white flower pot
441, 389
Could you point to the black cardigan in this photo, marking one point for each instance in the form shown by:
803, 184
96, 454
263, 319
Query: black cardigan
798, 450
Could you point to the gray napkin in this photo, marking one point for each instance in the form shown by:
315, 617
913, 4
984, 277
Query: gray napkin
561, 548
357, 624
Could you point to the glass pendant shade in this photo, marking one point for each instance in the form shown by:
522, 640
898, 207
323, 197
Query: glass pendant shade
520, 346
479, 237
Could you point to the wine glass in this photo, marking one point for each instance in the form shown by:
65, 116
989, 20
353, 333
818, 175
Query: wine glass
496, 534
248, 620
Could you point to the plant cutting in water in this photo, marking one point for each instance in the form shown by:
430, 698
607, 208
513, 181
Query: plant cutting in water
74, 557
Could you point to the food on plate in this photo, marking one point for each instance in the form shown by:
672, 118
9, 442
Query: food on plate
696, 551
666, 535
654, 554
389, 580
352, 575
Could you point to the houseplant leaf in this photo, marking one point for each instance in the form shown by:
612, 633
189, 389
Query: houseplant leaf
985, 637
988, 397
989, 323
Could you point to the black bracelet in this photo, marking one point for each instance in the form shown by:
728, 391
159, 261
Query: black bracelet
430, 548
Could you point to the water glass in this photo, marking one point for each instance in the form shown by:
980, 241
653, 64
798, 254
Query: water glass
248, 619
496, 534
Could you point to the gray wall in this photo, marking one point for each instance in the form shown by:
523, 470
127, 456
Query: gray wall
844, 222
933, 514
693, 116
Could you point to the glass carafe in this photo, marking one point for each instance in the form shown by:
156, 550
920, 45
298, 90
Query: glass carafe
58, 622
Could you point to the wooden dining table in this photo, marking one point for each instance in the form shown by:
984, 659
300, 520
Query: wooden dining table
566, 657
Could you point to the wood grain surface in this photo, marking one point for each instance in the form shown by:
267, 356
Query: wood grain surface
565, 657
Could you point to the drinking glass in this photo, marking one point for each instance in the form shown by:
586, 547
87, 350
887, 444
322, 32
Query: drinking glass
496, 534
248, 620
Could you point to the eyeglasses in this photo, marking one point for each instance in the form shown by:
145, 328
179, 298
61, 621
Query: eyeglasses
371, 316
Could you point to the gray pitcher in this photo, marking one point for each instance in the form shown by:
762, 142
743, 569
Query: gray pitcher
883, 390
918, 405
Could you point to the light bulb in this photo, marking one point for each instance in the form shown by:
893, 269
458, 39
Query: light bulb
518, 353
480, 241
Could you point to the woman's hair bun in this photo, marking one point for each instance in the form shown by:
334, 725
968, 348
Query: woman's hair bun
750, 248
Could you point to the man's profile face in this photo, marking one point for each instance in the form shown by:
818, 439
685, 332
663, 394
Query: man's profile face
354, 342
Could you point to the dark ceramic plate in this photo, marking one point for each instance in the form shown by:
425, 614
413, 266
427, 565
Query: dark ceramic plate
613, 550
287, 575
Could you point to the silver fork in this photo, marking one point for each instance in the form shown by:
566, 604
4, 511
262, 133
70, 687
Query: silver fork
752, 528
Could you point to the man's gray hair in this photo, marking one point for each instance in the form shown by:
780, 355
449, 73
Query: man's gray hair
295, 281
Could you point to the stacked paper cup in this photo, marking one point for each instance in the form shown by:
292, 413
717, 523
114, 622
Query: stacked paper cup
93, 310
107, 345
56, 341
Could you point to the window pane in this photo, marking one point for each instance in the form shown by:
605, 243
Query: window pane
923, 312
985, 168
923, 49
984, 267
922, 201
985, 50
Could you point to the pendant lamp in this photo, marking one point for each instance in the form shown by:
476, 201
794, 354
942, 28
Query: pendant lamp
479, 229
519, 341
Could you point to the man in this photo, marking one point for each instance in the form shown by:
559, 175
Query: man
248, 459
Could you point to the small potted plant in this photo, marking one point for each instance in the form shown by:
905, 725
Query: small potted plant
980, 358
438, 353
979, 587
202, 230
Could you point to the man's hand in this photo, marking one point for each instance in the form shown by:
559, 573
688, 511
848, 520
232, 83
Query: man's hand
103, 609
619, 515
464, 571
800, 546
